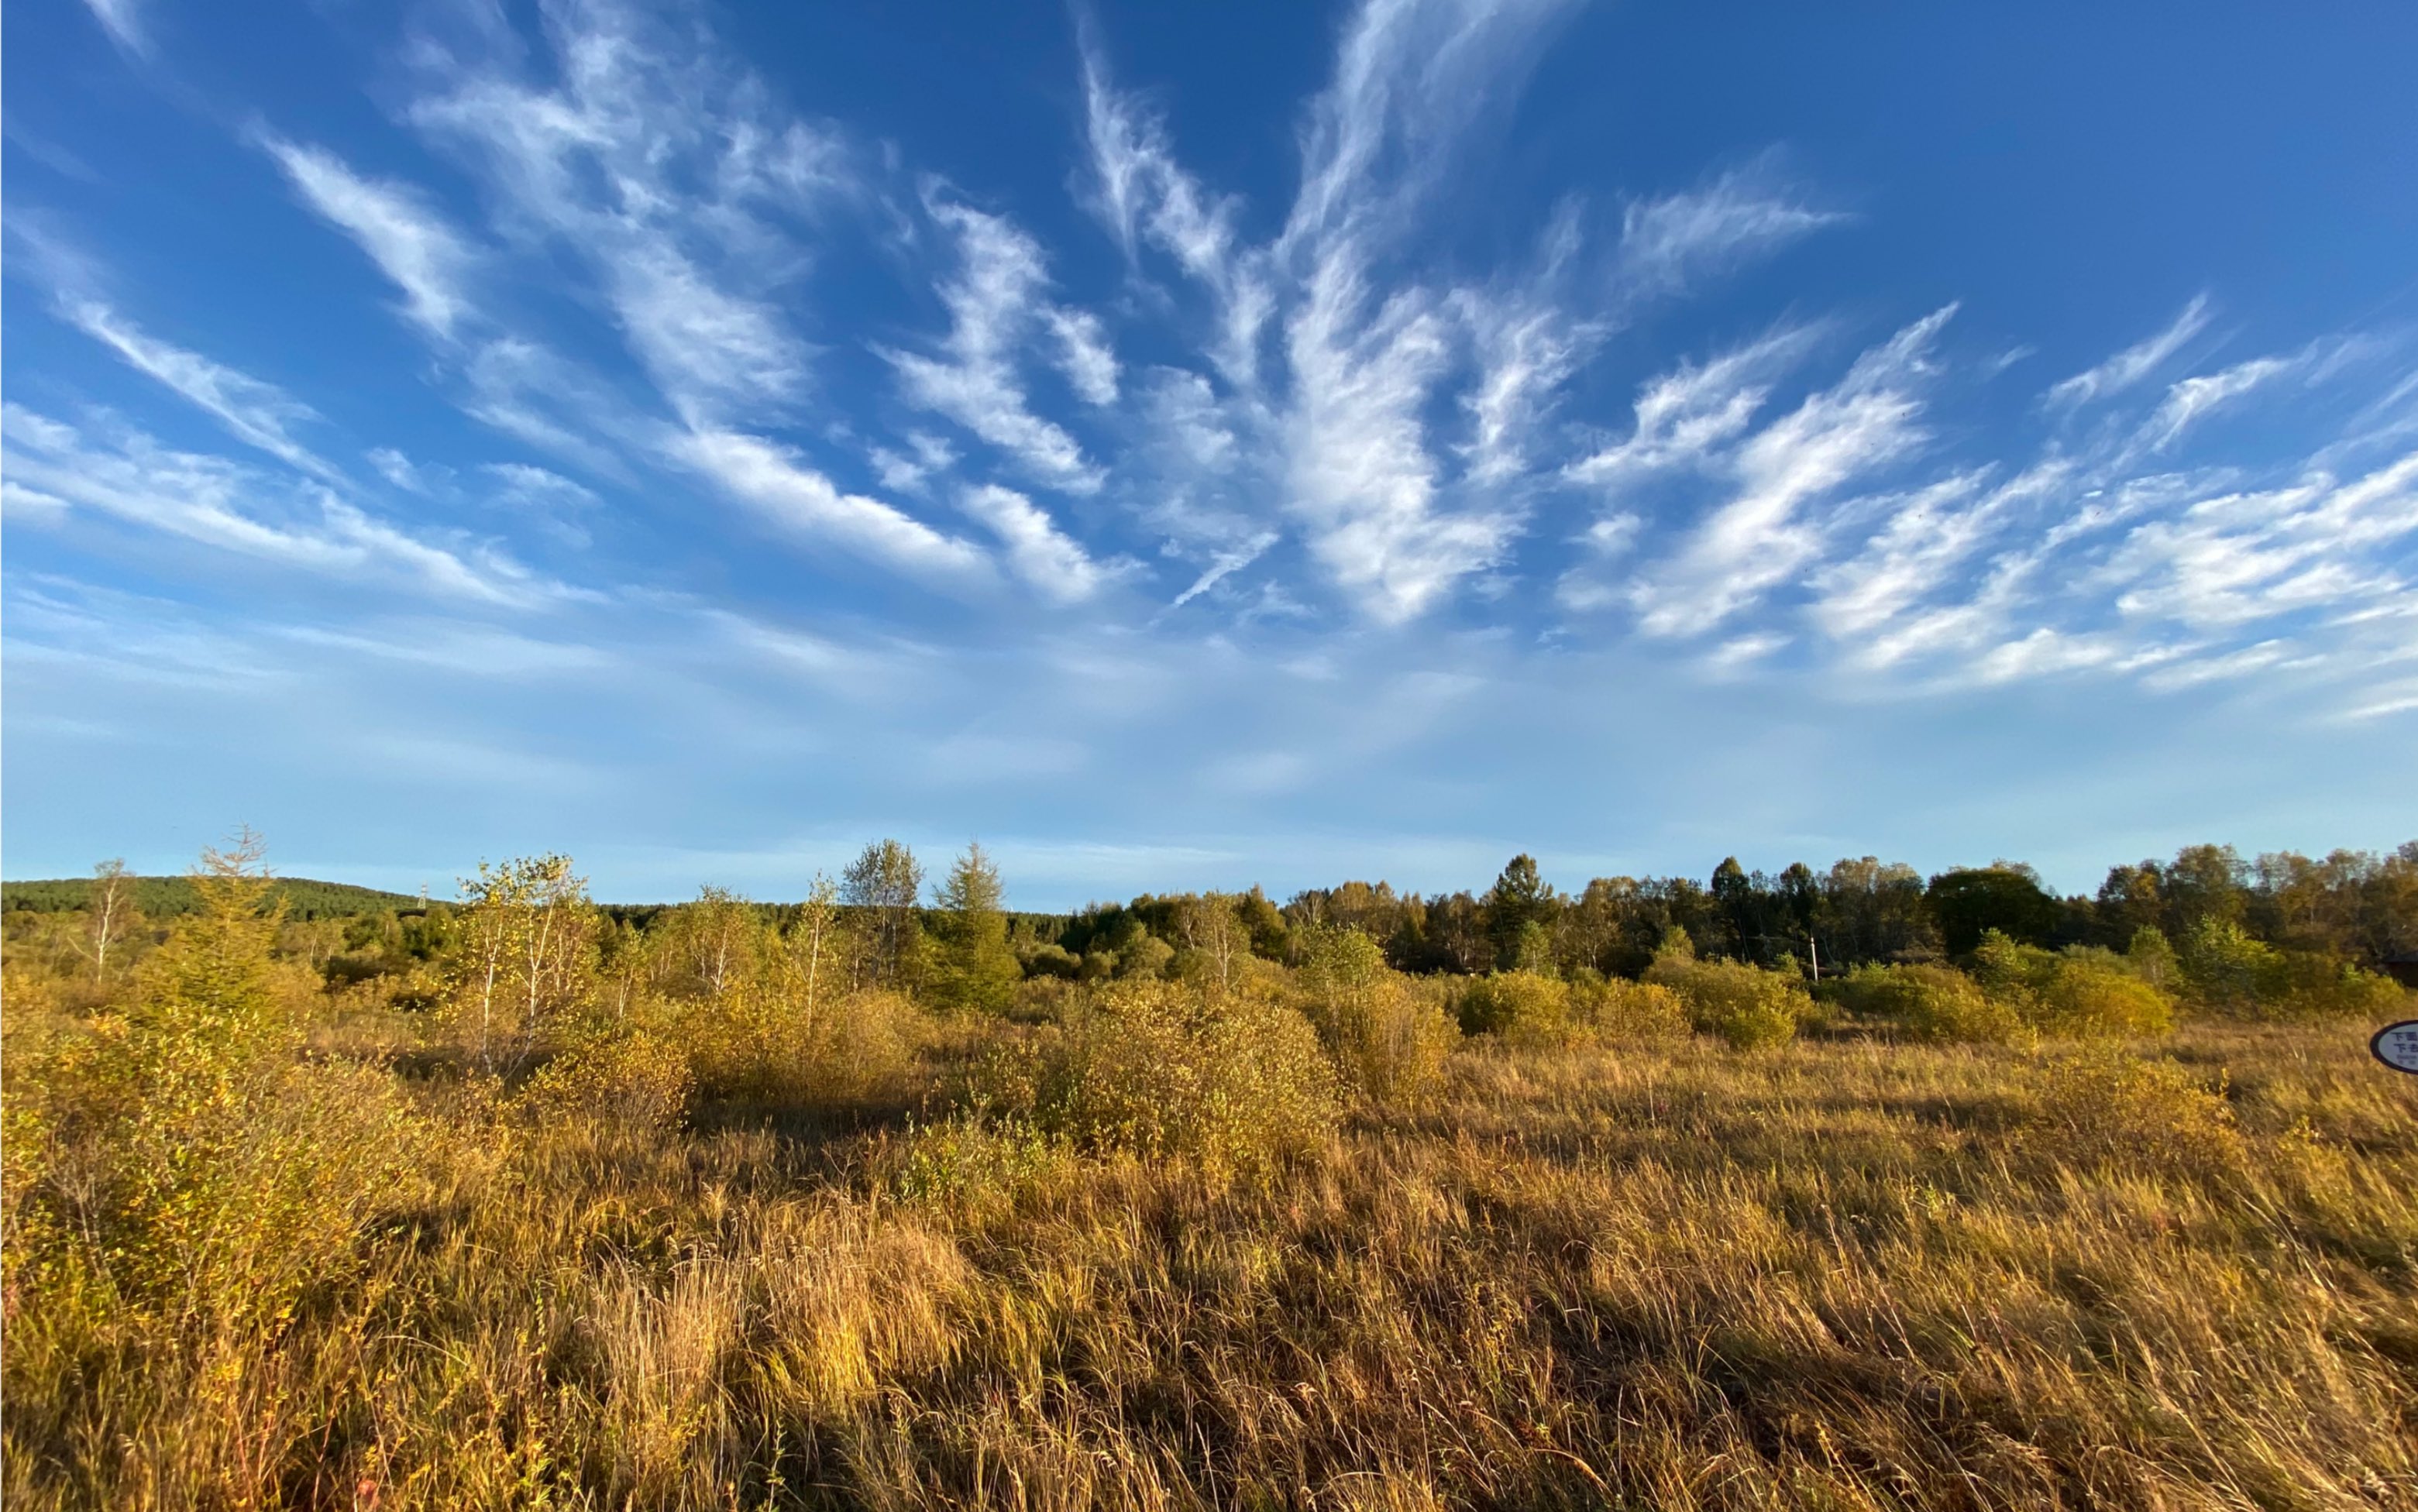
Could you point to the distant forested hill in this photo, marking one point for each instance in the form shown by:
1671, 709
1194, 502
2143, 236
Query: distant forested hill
163, 897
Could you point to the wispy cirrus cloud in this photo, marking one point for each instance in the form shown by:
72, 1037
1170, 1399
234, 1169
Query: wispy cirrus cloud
1323, 411
125, 23
1037, 551
126, 474
994, 298
667, 169
791, 494
2192, 399
1758, 538
1686, 415
2133, 363
253, 411
1666, 244
407, 238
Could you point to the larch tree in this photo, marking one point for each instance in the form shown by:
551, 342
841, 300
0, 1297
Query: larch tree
977, 969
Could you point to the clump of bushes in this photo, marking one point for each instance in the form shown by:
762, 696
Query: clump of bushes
175, 1166
2076, 994
1388, 1041
1052, 961
2102, 1107
974, 1163
1150, 1067
1518, 1007
1748, 1007
1932, 1002
2227, 970
637, 1082
2319, 986
1634, 1013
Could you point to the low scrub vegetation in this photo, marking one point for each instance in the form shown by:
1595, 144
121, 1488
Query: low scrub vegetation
840, 1204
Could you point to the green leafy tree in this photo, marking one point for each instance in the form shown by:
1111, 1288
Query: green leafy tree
2228, 969
882, 885
1971, 901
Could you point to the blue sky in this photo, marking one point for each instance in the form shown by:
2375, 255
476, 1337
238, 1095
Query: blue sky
1252, 445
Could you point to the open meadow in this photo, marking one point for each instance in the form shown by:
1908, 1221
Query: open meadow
706, 1214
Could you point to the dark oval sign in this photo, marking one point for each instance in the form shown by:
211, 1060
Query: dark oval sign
2396, 1045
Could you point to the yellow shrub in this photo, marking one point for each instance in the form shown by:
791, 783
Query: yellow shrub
973, 1164
773, 1046
1150, 1067
2089, 995
1519, 1007
1932, 1002
176, 1157
635, 1081
1748, 1007
2088, 999
1388, 1041
1625, 1012
2103, 1107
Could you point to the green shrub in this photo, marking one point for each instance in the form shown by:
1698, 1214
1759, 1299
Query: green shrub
2227, 970
2088, 999
1931, 1002
1750, 1008
2319, 986
2154, 959
973, 1163
1146, 959
1052, 961
2079, 994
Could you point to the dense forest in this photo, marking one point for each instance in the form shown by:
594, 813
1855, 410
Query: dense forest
1840, 1188
170, 897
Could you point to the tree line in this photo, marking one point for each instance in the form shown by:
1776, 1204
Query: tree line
882, 923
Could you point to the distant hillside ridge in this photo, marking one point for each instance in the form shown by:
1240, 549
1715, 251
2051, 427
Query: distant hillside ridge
166, 898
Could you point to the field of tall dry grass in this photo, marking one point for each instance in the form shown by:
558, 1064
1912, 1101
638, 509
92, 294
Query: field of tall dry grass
1157, 1246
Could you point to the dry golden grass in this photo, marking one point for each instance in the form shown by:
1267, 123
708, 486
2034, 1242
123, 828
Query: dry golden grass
1841, 1274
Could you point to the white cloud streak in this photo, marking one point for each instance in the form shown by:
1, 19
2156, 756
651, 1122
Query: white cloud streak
1758, 540
1037, 551
2133, 364
257, 413
213, 502
993, 300
124, 22
1667, 244
408, 239
787, 492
